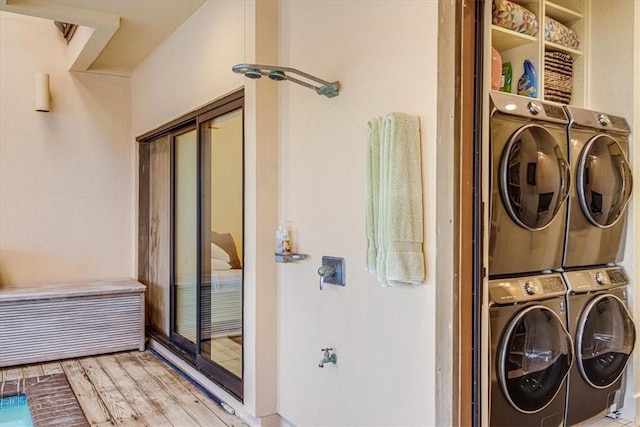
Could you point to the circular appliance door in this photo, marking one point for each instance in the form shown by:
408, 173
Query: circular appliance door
535, 356
604, 181
604, 340
534, 177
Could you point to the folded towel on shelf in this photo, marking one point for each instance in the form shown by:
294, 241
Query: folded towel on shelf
373, 190
399, 232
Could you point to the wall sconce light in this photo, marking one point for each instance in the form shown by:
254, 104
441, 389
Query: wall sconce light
42, 94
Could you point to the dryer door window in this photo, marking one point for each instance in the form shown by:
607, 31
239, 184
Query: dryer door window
534, 177
535, 357
604, 181
604, 340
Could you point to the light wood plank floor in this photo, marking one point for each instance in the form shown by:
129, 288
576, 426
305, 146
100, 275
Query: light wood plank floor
131, 389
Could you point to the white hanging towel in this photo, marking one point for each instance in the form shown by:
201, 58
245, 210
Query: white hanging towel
373, 190
400, 259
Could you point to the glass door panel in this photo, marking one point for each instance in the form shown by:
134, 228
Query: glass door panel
534, 177
604, 181
222, 237
605, 339
185, 272
535, 358
191, 235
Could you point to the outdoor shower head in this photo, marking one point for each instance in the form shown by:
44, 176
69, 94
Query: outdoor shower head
277, 76
253, 73
256, 71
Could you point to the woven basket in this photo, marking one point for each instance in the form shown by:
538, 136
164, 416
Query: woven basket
558, 77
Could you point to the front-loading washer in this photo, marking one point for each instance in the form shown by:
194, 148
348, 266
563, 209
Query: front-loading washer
531, 351
529, 185
604, 337
602, 184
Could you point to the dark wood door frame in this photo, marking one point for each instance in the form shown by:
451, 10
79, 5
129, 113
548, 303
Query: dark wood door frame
459, 258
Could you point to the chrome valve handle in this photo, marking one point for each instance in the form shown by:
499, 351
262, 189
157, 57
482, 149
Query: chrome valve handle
325, 272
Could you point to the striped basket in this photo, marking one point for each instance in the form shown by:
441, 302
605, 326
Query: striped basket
558, 77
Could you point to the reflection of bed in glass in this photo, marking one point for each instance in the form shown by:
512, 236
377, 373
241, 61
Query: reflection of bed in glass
221, 333
222, 196
225, 315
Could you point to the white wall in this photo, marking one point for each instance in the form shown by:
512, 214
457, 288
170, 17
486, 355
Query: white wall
385, 337
65, 190
610, 78
190, 68
384, 55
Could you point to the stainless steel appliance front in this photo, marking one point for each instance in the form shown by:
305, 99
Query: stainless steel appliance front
530, 183
531, 351
602, 184
604, 336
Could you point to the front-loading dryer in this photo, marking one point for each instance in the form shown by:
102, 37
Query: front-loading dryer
531, 351
604, 337
529, 185
602, 184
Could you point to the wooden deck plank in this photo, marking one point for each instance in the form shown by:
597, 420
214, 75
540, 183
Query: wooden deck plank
181, 391
52, 368
88, 398
229, 419
118, 407
131, 389
154, 391
146, 410
104, 424
30, 371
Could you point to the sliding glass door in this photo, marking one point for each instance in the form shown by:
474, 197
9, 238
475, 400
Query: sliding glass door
185, 237
192, 238
222, 234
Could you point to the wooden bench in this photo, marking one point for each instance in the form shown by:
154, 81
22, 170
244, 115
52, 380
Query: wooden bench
58, 321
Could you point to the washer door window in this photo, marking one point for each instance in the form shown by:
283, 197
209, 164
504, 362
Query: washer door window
535, 357
604, 181
605, 339
534, 177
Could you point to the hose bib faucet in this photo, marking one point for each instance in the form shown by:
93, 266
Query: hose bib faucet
329, 357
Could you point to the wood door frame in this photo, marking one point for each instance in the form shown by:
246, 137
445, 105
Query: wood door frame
459, 222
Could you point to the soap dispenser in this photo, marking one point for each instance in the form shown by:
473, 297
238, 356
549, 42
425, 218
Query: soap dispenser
283, 239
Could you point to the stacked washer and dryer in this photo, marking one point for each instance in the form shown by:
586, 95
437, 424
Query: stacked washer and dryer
598, 318
531, 350
547, 326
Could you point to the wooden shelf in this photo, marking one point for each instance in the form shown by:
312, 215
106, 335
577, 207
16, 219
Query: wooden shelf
515, 47
558, 47
562, 14
504, 39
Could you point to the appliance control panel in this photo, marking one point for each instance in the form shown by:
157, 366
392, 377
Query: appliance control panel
521, 289
582, 281
597, 120
523, 106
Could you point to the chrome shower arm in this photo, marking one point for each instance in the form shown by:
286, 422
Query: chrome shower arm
305, 75
328, 89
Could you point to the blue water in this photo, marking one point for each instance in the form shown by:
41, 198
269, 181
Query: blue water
14, 412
